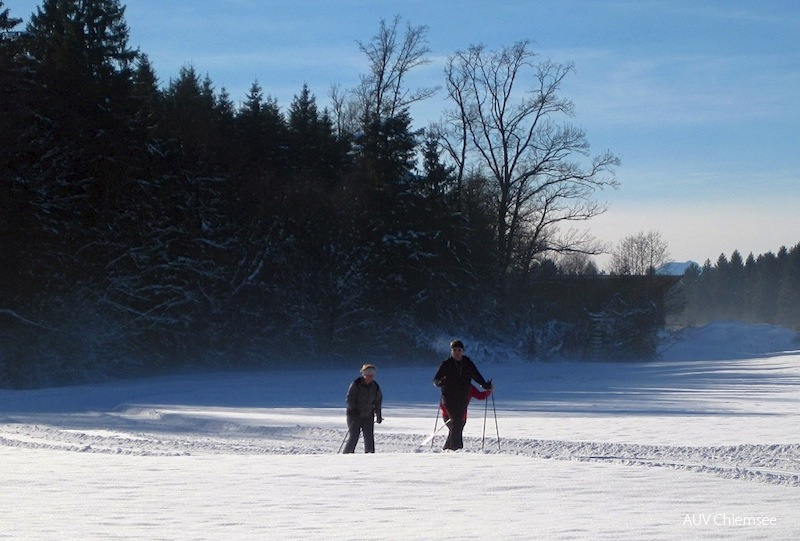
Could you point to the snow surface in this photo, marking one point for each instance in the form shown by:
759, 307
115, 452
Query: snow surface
702, 444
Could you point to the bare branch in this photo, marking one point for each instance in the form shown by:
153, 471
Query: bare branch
15, 315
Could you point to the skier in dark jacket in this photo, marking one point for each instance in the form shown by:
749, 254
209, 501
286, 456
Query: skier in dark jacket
364, 400
455, 377
473, 393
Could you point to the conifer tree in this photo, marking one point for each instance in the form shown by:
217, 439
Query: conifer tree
83, 71
789, 296
261, 135
82, 50
314, 150
16, 117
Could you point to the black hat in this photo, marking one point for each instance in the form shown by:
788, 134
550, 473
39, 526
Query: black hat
456, 344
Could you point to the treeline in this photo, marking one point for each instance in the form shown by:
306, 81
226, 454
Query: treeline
763, 289
149, 227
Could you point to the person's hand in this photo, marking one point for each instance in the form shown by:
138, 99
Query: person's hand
438, 382
488, 386
379, 420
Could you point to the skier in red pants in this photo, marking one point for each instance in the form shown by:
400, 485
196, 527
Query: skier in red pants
455, 377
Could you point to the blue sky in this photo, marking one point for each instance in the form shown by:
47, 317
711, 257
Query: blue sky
700, 99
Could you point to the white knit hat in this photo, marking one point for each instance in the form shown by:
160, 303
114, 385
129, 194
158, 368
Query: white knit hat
368, 369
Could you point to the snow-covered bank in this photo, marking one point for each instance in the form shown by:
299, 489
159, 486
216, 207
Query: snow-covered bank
729, 340
697, 445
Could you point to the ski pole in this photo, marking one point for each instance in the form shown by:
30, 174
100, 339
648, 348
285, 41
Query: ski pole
496, 426
485, 413
343, 440
436, 423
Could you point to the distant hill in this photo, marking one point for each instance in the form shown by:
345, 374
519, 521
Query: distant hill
674, 268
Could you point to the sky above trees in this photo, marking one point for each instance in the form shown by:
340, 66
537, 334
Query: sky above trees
700, 101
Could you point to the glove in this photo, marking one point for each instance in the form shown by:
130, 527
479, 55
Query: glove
488, 385
438, 382
379, 420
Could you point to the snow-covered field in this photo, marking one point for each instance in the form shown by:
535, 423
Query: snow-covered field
703, 444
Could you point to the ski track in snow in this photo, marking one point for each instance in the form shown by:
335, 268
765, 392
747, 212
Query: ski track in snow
161, 433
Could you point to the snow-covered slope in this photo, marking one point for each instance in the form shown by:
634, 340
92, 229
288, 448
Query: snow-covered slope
701, 444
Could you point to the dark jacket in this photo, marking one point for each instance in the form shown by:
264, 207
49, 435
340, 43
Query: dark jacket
364, 399
455, 379
473, 393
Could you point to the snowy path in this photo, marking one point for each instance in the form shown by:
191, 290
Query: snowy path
192, 433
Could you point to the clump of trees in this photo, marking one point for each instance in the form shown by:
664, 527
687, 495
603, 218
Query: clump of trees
639, 254
152, 226
763, 289
639, 300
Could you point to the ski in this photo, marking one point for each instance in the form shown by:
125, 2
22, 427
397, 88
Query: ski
430, 437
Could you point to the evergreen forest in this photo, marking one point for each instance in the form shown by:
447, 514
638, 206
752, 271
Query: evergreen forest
155, 227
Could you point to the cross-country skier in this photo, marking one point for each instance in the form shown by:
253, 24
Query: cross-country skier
473, 393
455, 377
364, 400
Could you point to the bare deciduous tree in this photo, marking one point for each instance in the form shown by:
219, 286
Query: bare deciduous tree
391, 57
507, 115
382, 91
639, 254
576, 264
346, 115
